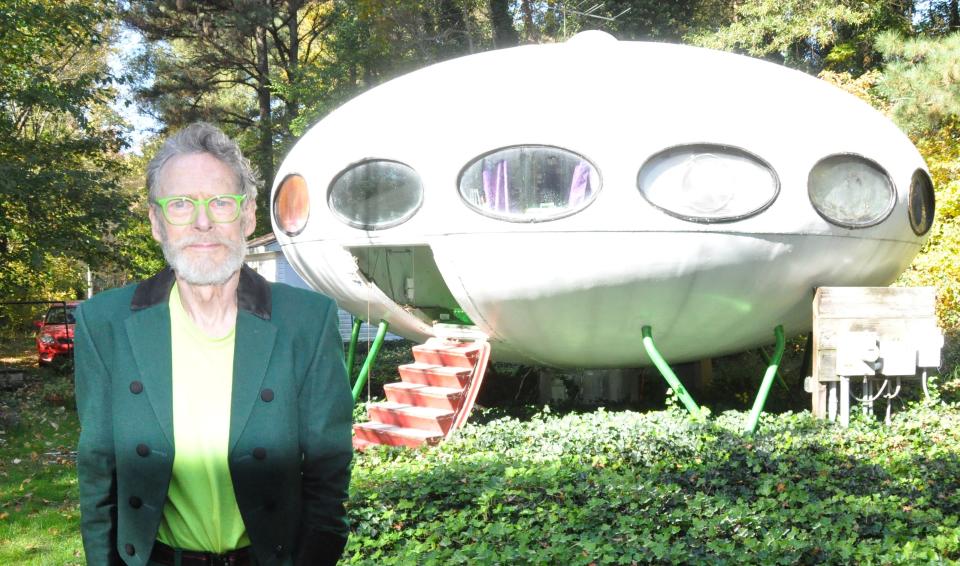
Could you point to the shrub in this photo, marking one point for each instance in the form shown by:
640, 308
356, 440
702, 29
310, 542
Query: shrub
621, 488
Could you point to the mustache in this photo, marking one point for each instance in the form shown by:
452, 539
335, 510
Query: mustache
186, 241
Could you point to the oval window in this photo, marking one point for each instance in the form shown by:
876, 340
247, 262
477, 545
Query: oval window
291, 205
922, 202
376, 194
529, 183
851, 191
708, 183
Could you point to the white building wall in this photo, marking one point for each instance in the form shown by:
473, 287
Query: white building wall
269, 262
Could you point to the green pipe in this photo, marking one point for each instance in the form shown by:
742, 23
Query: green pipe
780, 378
352, 351
767, 382
368, 363
667, 373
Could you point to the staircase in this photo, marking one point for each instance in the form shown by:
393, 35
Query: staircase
433, 398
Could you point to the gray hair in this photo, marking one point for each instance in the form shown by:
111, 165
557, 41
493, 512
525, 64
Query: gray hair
201, 137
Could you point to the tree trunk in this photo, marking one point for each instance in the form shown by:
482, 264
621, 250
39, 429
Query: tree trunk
530, 31
954, 15
293, 103
265, 160
503, 33
452, 28
466, 26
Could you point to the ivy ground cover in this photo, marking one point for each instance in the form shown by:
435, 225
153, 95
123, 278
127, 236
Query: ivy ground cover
639, 488
592, 488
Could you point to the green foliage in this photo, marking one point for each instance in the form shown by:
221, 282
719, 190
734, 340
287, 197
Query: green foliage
809, 35
603, 487
921, 79
368, 42
937, 17
59, 168
621, 488
649, 20
937, 264
231, 64
355, 54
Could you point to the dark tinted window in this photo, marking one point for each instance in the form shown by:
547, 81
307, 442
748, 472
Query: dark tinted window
922, 203
376, 194
57, 315
851, 191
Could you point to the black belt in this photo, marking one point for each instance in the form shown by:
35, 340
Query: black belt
163, 554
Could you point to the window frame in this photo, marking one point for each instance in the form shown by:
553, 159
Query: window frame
368, 227
564, 213
721, 147
276, 196
891, 202
933, 202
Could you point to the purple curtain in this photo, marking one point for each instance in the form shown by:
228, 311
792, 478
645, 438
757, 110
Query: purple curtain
496, 186
580, 185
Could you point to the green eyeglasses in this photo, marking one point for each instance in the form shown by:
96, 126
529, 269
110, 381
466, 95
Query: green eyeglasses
182, 210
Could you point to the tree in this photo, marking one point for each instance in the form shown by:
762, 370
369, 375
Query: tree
810, 35
921, 78
921, 86
938, 17
229, 63
504, 34
59, 145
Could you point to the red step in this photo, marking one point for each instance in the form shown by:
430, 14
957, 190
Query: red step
444, 353
379, 433
424, 395
438, 376
426, 405
410, 416
361, 444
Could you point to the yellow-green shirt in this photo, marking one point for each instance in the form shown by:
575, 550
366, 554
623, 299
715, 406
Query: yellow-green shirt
201, 511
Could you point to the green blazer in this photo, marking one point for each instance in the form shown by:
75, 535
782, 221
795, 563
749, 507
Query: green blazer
290, 420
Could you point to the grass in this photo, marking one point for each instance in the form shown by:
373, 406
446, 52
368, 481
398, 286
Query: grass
39, 507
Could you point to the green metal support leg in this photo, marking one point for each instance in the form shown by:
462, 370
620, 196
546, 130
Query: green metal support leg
352, 350
368, 363
767, 382
667, 373
780, 380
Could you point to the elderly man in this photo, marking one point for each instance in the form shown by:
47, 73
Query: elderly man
214, 407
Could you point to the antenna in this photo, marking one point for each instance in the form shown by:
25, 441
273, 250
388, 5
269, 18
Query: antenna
586, 12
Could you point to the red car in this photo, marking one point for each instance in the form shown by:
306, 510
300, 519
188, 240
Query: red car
55, 333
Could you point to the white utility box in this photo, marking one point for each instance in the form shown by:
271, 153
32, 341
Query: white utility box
870, 340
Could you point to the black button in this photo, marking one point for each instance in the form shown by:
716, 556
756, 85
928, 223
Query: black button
267, 395
135, 502
259, 453
136, 387
130, 550
143, 450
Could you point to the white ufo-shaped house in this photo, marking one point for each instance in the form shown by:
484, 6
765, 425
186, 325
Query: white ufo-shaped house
560, 197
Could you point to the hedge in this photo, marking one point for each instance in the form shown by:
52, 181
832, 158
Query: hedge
657, 487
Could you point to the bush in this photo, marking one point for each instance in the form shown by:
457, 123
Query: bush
621, 488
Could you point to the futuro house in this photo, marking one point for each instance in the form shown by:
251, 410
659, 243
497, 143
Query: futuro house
560, 197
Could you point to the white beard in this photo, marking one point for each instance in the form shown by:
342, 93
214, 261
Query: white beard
196, 272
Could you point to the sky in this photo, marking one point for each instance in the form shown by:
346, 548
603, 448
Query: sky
129, 44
